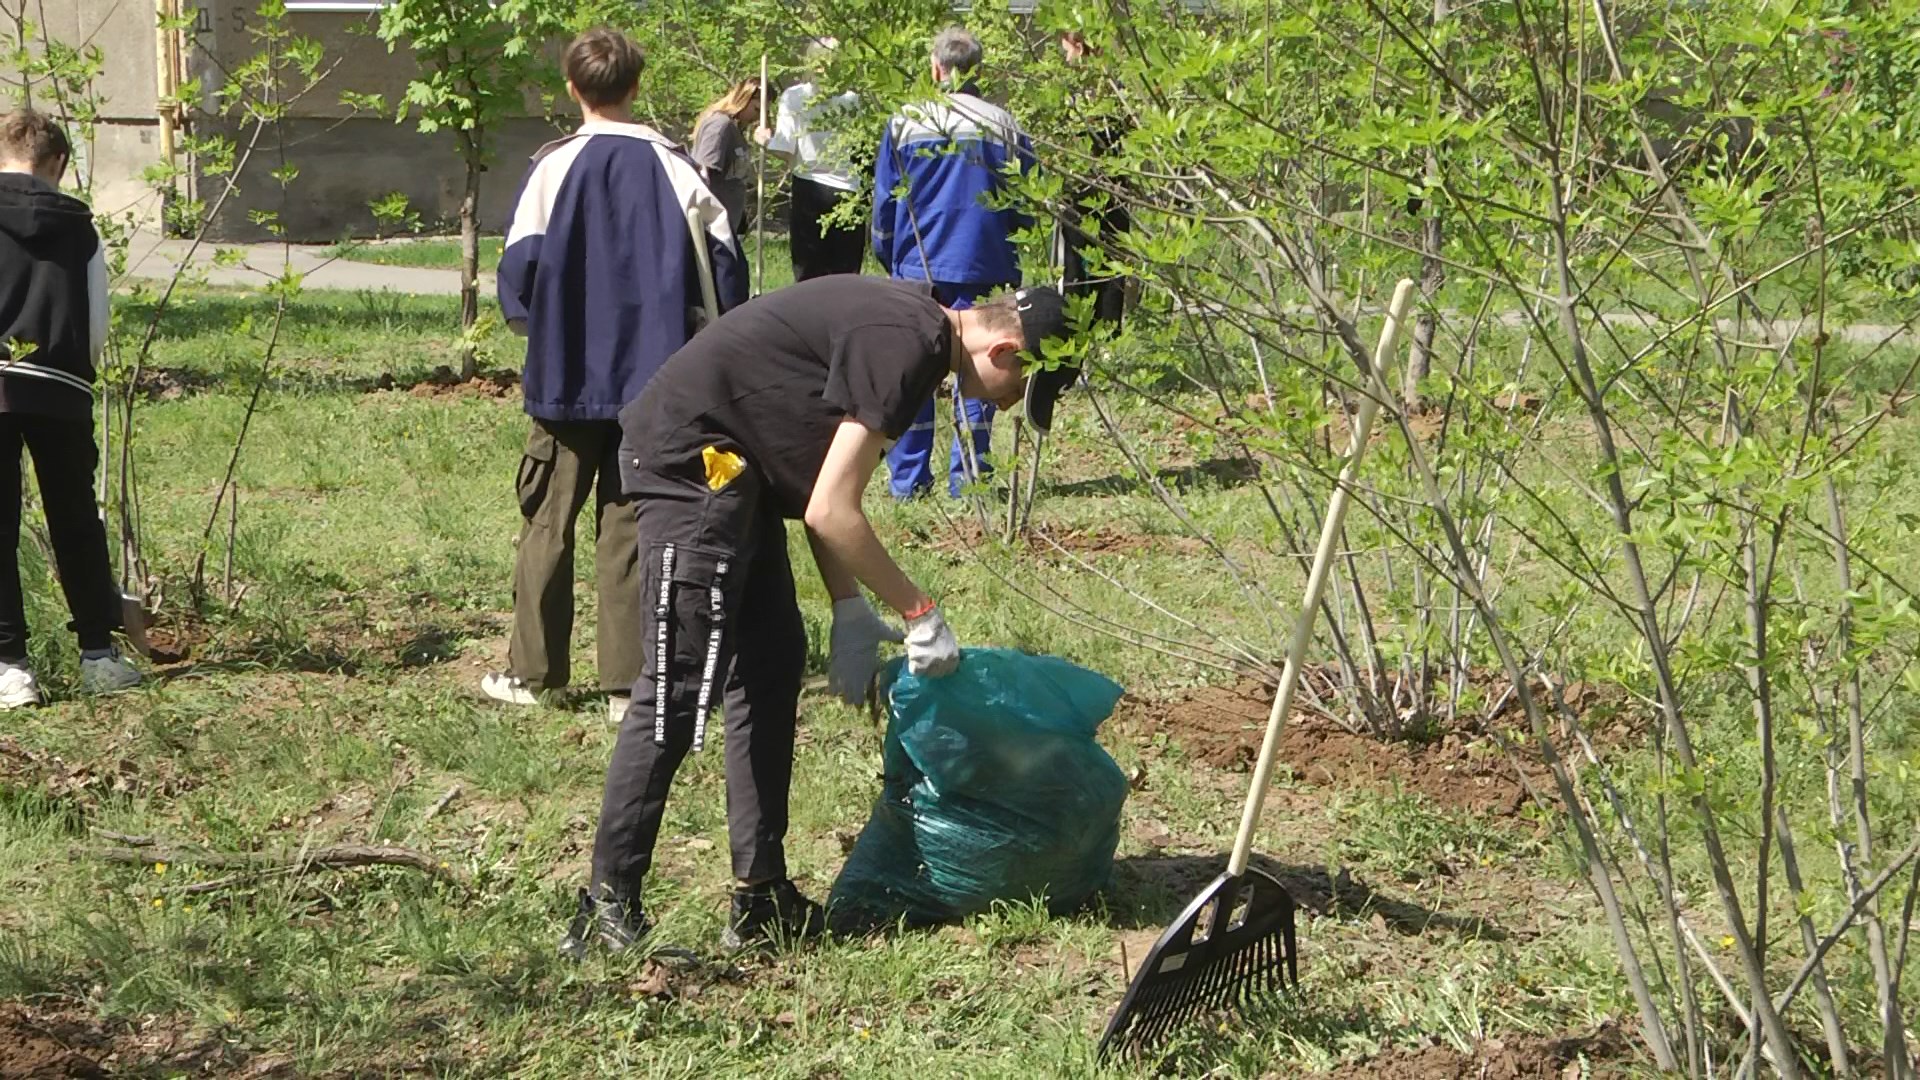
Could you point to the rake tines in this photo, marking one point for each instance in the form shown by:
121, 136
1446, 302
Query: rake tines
1232, 946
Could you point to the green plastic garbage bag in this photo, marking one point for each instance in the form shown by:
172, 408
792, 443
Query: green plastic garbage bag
995, 789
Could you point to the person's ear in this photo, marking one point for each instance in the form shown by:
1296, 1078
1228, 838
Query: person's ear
1004, 353
573, 92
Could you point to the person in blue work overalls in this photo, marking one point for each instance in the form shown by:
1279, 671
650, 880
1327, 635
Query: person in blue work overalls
938, 164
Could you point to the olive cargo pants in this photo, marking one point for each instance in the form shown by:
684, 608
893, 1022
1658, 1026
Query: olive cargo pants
559, 470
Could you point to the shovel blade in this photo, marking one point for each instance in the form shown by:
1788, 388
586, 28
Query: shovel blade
1233, 945
133, 624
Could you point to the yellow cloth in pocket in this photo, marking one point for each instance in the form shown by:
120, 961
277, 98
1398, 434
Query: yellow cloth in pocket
722, 466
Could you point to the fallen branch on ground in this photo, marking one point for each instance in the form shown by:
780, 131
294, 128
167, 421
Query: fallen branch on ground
326, 858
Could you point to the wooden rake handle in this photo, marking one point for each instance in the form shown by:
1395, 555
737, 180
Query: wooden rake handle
1317, 577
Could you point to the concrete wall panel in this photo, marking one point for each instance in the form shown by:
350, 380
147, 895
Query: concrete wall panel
346, 164
125, 34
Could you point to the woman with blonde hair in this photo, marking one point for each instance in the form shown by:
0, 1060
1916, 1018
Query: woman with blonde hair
722, 151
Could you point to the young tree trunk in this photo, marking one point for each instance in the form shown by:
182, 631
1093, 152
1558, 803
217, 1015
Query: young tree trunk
469, 257
1433, 274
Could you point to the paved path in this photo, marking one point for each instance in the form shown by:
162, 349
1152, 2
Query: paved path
153, 257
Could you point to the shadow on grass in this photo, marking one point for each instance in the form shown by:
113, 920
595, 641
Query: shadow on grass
1240, 1034
1152, 890
411, 648
1224, 472
174, 383
221, 313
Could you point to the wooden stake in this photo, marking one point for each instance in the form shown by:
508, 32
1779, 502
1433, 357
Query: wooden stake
760, 196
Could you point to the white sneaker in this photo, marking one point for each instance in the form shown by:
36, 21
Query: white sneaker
510, 689
18, 688
617, 708
108, 674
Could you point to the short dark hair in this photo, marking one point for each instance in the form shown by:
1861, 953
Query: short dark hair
1001, 312
604, 67
34, 138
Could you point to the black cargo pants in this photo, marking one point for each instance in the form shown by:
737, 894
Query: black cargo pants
721, 626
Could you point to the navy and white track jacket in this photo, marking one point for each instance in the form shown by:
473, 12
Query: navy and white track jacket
600, 271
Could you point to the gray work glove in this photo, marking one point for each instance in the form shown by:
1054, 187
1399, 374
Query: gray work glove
853, 654
931, 648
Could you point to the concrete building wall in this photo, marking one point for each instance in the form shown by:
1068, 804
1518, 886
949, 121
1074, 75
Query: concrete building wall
124, 143
345, 161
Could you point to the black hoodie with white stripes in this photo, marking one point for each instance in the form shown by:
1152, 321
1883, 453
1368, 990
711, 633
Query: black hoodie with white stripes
53, 294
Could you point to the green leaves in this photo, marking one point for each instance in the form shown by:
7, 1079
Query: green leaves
478, 61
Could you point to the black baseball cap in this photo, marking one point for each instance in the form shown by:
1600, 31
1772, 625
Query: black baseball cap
1043, 315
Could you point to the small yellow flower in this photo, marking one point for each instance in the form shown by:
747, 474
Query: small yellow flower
1726, 942
159, 868
159, 902
866, 1033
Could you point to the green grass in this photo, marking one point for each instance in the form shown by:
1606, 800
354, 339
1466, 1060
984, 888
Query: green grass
443, 253
337, 701
436, 253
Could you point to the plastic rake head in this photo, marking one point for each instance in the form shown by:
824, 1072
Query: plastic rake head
1233, 945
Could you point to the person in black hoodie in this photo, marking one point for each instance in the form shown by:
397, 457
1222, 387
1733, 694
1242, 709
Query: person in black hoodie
53, 326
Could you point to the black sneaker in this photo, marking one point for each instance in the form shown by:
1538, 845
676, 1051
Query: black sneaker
613, 922
770, 914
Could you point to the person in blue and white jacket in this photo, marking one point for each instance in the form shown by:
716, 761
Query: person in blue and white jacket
939, 164
617, 254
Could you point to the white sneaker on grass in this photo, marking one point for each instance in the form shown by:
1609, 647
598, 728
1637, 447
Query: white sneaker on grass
617, 708
18, 688
108, 674
510, 689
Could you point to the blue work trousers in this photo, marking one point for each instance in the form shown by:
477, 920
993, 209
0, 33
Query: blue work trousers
910, 462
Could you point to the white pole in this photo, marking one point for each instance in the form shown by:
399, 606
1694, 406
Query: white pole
1317, 581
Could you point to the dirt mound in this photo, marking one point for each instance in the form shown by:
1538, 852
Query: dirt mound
965, 535
84, 784
172, 638
169, 384
1528, 1058
1222, 727
68, 1043
443, 382
27, 1052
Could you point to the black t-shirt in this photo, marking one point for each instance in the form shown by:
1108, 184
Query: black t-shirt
776, 376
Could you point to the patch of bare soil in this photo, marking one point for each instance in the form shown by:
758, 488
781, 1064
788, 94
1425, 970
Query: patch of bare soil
965, 535
29, 1053
169, 384
69, 1044
443, 382
172, 637
1528, 1058
1223, 726
83, 783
